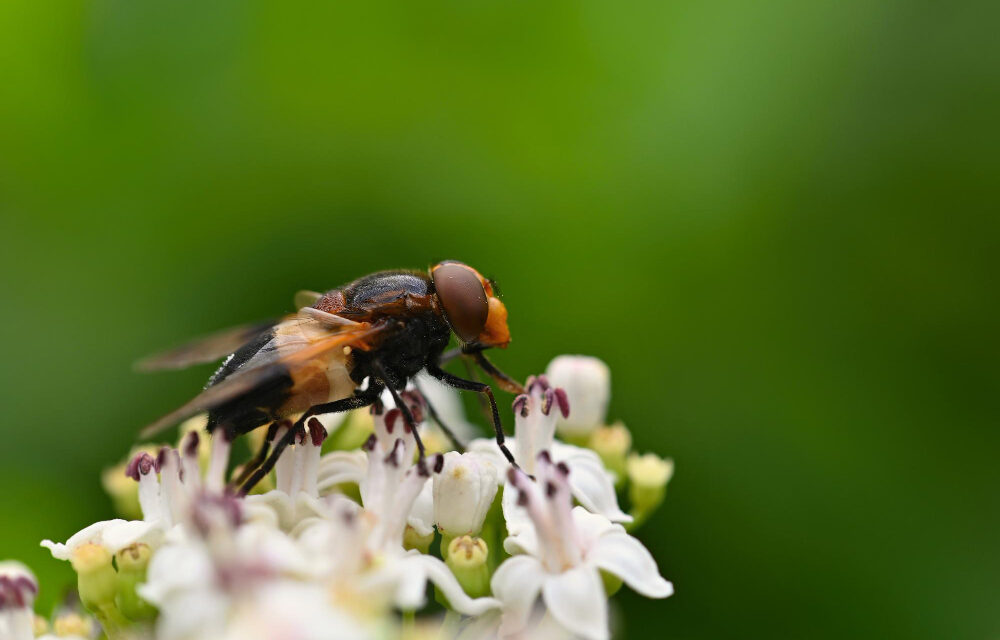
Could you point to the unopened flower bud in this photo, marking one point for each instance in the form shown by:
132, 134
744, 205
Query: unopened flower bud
648, 476
40, 626
73, 625
97, 583
467, 558
612, 444
413, 540
587, 382
132, 562
463, 493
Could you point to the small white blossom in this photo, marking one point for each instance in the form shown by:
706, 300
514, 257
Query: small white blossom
295, 500
560, 556
534, 431
587, 382
463, 493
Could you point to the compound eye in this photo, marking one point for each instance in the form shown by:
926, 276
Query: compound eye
464, 300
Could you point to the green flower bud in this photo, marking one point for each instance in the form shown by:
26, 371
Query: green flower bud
413, 540
40, 626
132, 562
612, 444
97, 583
648, 476
467, 558
73, 624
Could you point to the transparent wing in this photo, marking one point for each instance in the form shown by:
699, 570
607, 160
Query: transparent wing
244, 381
209, 348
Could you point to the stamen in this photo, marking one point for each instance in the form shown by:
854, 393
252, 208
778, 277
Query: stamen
548, 399
317, 432
563, 400
390, 420
161, 458
438, 463
215, 478
520, 405
370, 443
190, 445
393, 457
140, 465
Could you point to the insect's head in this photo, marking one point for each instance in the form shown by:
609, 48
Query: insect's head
470, 306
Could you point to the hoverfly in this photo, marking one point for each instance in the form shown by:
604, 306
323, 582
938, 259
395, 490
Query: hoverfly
384, 328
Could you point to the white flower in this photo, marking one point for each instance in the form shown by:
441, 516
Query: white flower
212, 583
534, 431
560, 558
463, 493
378, 569
295, 500
587, 382
18, 588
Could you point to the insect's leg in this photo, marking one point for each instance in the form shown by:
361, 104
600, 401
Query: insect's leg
505, 381
484, 404
257, 460
358, 400
408, 417
479, 387
441, 425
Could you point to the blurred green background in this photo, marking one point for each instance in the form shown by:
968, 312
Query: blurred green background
776, 221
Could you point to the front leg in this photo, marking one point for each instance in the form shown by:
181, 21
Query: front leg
505, 381
470, 385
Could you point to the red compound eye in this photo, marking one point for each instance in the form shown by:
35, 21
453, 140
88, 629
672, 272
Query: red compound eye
464, 300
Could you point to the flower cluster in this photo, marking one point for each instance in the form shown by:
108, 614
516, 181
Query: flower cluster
370, 541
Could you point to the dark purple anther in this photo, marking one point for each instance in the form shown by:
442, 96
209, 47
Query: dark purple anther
520, 405
190, 445
140, 465
317, 432
390, 419
563, 401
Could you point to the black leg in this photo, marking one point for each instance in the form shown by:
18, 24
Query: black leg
261, 456
434, 414
479, 387
405, 410
358, 400
505, 381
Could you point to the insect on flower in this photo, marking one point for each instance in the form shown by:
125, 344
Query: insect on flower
384, 327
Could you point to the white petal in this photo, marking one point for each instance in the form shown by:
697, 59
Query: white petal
93, 533
488, 448
421, 516
339, 467
619, 553
516, 517
577, 601
125, 533
516, 584
442, 577
591, 484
